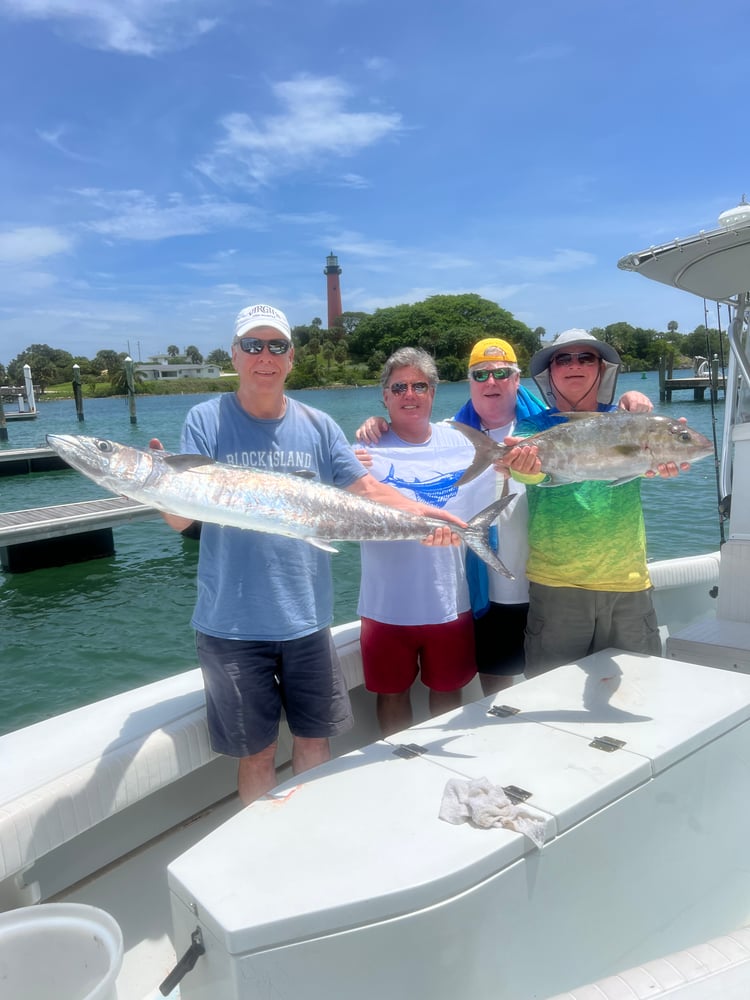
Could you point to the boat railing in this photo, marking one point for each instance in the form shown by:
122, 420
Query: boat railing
737, 394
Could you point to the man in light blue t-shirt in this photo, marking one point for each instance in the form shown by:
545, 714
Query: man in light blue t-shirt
265, 602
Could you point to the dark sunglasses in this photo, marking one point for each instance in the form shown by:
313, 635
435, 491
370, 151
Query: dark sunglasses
584, 358
498, 374
398, 388
254, 345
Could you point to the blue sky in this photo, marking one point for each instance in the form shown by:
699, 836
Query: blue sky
165, 162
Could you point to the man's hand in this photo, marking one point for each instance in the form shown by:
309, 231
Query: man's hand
442, 536
635, 402
371, 431
368, 486
523, 458
364, 456
668, 470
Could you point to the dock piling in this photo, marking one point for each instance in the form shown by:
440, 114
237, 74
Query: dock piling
77, 392
131, 388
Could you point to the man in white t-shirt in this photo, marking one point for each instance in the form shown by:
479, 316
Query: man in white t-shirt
414, 601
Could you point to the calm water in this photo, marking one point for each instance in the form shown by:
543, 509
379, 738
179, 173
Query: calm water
77, 633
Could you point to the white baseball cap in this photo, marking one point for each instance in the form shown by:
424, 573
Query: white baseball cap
252, 317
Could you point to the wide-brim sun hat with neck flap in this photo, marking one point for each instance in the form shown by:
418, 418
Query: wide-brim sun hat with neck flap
539, 366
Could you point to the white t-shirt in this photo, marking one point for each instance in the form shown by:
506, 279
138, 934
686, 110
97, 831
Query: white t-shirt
513, 547
407, 583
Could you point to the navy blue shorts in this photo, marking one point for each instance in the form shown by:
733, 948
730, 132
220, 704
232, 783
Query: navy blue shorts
248, 683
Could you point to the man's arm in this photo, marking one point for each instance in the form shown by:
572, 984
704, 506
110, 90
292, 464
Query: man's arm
368, 486
371, 431
173, 520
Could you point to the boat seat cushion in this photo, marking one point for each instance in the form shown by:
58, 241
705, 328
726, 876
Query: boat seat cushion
85, 765
718, 969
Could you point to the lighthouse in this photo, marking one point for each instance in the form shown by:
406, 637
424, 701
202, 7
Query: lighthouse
332, 272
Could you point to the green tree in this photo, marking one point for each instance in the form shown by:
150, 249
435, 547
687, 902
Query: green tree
118, 378
173, 351
349, 321
445, 325
451, 369
48, 365
194, 355
326, 349
220, 357
106, 361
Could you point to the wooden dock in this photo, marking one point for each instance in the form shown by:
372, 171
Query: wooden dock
17, 461
712, 383
72, 532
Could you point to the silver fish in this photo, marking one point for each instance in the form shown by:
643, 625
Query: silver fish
199, 488
616, 447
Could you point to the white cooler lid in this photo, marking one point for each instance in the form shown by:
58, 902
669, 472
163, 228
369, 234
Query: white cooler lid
358, 841
563, 773
663, 709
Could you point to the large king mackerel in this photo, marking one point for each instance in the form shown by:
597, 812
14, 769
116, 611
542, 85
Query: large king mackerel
201, 489
617, 447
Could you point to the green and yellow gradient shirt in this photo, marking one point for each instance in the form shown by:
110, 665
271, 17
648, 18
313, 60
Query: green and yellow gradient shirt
588, 535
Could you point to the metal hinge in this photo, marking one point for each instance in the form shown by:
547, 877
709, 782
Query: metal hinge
516, 794
409, 750
502, 711
607, 743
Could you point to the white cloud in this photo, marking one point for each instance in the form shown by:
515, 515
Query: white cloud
135, 215
132, 27
561, 262
313, 125
31, 243
354, 181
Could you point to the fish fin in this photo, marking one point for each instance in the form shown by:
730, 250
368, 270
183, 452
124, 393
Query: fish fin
181, 463
625, 479
555, 480
320, 544
476, 535
573, 415
486, 451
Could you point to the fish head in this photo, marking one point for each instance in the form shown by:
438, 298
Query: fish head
673, 441
99, 459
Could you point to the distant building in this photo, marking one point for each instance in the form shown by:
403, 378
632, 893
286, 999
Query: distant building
158, 367
333, 288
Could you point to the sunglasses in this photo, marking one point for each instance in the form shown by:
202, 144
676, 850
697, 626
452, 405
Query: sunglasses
584, 358
497, 374
398, 388
254, 345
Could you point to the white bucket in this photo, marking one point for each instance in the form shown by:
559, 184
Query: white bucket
59, 951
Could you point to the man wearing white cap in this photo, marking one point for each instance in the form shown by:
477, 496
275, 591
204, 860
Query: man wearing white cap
265, 602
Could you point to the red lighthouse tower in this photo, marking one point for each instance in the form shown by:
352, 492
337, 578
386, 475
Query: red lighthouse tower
332, 272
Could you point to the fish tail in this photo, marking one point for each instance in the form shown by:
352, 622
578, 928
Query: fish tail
486, 451
476, 535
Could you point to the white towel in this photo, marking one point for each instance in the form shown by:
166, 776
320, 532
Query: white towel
485, 805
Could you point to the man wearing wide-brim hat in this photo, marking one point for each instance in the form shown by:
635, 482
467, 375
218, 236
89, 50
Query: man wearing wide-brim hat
589, 586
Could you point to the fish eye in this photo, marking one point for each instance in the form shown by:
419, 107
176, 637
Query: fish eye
104, 446
685, 436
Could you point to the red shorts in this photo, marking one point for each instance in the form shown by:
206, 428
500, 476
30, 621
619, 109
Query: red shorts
393, 655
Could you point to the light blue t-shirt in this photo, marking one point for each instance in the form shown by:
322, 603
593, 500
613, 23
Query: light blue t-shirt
254, 585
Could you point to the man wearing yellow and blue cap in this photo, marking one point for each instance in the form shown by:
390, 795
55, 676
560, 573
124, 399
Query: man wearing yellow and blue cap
497, 403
